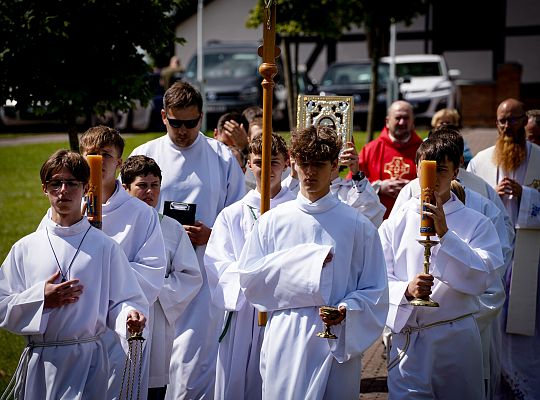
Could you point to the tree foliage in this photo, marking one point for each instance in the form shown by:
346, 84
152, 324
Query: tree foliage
329, 19
73, 58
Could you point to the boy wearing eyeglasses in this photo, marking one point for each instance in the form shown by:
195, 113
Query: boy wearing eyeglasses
62, 287
200, 170
135, 227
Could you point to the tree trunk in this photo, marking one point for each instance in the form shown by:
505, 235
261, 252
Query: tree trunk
72, 134
378, 35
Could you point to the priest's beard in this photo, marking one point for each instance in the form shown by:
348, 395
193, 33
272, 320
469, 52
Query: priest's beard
509, 152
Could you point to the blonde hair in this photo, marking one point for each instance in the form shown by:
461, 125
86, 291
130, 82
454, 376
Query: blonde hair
450, 113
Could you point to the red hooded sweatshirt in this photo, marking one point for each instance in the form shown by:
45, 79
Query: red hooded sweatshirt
383, 159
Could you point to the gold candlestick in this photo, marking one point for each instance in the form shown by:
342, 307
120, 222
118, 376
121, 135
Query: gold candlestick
426, 301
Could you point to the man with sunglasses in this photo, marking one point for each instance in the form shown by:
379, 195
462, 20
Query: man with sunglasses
201, 170
512, 167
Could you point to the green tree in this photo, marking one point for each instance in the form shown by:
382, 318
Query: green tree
329, 19
75, 58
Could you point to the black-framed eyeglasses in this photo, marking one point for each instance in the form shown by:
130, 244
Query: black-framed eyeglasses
510, 120
55, 185
188, 123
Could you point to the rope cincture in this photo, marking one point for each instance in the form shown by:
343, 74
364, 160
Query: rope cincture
134, 357
16, 385
408, 330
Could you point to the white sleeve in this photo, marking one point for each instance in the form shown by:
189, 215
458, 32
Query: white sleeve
21, 308
290, 278
183, 280
222, 267
366, 201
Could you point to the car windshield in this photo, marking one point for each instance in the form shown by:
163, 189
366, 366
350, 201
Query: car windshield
418, 69
353, 74
220, 65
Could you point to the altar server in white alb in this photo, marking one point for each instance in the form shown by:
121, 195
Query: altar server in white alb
237, 369
202, 171
306, 253
61, 287
356, 192
512, 167
135, 227
436, 352
492, 300
141, 177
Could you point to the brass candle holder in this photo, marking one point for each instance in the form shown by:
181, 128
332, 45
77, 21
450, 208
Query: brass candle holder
426, 301
332, 313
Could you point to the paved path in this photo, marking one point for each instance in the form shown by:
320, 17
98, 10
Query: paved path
479, 138
37, 138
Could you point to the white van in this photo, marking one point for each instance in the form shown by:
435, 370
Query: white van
425, 82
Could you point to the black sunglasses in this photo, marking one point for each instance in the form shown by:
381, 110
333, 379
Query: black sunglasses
188, 123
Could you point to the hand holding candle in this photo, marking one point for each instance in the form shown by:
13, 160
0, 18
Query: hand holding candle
93, 197
428, 176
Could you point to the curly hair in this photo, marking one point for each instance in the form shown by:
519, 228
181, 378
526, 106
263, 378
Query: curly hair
320, 143
68, 159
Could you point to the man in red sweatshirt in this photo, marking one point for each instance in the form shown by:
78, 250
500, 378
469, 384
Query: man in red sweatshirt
388, 161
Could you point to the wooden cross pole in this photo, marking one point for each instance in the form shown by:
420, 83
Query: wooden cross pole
268, 69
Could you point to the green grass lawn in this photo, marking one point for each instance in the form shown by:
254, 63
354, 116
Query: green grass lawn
22, 204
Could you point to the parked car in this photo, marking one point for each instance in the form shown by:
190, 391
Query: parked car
353, 78
425, 82
232, 79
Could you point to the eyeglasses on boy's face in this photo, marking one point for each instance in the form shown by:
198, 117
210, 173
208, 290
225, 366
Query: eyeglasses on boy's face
55, 185
188, 123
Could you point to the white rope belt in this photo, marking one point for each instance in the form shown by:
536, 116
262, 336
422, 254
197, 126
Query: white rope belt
407, 332
18, 379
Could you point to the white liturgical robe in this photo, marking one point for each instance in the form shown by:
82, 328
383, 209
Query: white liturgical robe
283, 271
520, 323
492, 300
441, 359
78, 370
135, 227
208, 175
183, 280
237, 369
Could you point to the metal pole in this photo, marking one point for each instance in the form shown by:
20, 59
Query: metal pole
200, 60
392, 86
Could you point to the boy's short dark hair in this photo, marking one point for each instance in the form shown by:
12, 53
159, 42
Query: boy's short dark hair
234, 116
279, 146
448, 132
438, 150
182, 95
320, 143
71, 160
100, 136
136, 166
